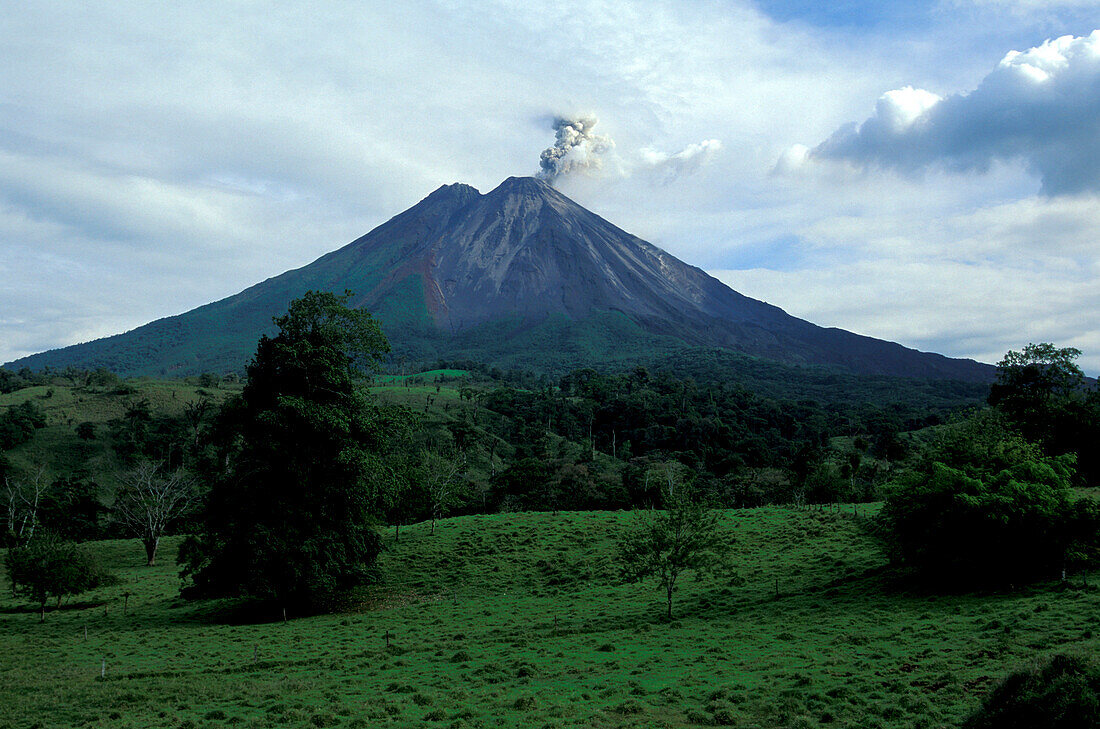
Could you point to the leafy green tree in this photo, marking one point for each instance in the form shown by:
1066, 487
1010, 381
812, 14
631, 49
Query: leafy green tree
665, 544
1037, 374
979, 443
1035, 386
72, 509
523, 485
987, 506
104, 378
131, 432
47, 567
290, 517
19, 422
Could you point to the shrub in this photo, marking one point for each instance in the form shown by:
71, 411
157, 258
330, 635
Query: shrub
1063, 693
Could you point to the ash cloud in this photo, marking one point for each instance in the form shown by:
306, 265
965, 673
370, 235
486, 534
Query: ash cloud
576, 149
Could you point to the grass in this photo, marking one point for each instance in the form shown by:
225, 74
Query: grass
429, 376
517, 620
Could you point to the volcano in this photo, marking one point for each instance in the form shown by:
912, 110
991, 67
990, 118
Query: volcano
521, 273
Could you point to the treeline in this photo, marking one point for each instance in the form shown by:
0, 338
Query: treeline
588, 441
12, 380
516, 441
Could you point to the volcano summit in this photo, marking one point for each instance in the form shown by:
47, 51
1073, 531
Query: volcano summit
496, 276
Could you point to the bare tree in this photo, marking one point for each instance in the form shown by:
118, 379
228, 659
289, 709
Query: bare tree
149, 499
194, 413
22, 497
442, 478
667, 475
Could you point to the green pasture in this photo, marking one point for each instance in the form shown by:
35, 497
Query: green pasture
518, 620
429, 376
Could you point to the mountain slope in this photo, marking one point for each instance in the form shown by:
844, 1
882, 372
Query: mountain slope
466, 274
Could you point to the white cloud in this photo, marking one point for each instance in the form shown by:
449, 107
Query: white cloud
670, 166
1041, 106
968, 282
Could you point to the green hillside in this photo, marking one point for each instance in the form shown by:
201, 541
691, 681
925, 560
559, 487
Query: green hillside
58, 447
517, 620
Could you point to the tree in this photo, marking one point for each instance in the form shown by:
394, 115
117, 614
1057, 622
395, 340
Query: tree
1039, 372
149, 499
194, 413
72, 509
1035, 385
290, 514
441, 477
22, 499
47, 567
987, 506
131, 432
684, 537
18, 423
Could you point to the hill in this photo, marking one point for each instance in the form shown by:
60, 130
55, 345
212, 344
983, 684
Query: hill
63, 452
517, 620
520, 274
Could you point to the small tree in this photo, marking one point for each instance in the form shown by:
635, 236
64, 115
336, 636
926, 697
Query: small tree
664, 544
442, 477
149, 500
46, 567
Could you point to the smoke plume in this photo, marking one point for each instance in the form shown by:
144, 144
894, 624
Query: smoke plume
576, 149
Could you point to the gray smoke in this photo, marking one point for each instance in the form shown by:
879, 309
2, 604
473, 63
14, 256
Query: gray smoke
576, 149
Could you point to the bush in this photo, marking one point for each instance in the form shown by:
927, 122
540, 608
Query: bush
986, 506
1063, 693
18, 424
47, 567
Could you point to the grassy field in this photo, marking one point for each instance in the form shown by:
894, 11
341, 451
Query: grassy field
429, 376
517, 620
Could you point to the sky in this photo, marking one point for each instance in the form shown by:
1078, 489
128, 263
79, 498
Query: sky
926, 172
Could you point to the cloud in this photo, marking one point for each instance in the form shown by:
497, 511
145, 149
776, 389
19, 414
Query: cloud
931, 305
157, 157
1040, 106
669, 166
963, 282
